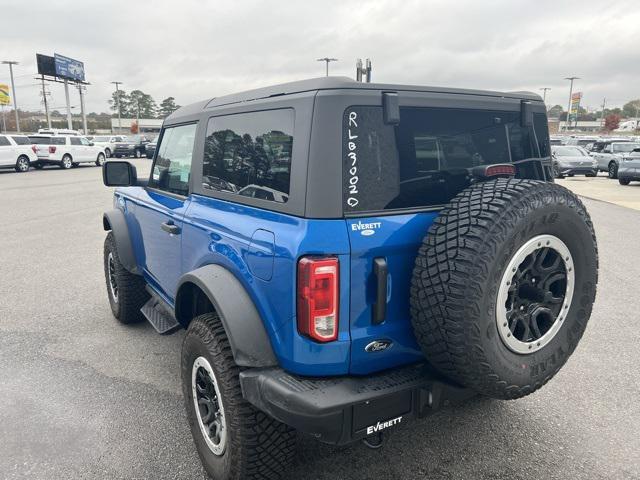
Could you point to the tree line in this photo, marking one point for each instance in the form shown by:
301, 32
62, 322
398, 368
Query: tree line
630, 109
137, 104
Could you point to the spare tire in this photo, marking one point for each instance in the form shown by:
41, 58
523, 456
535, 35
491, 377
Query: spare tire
503, 285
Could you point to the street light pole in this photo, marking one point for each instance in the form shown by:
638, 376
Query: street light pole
13, 89
544, 94
571, 79
118, 105
327, 60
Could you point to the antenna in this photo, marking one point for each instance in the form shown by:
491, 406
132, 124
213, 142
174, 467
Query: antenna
360, 70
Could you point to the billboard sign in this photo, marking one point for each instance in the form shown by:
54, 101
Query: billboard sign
69, 68
46, 65
5, 99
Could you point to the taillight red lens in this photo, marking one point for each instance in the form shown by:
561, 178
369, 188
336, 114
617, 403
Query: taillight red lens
34, 148
318, 298
498, 170
52, 149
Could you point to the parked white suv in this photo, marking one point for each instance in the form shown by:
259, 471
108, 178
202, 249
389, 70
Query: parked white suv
108, 142
16, 152
66, 151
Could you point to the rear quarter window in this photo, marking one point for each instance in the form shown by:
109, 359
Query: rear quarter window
21, 140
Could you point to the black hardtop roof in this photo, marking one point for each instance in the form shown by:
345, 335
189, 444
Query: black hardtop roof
331, 83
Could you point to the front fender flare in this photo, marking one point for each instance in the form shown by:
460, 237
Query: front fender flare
114, 220
243, 325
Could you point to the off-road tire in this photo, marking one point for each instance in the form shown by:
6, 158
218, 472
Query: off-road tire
257, 446
460, 266
132, 294
624, 181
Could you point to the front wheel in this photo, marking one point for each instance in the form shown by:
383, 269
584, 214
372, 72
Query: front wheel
613, 170
100, 160
556, 172
624, 181
107, 152
234, 440
126, 291
504, 284
22, 164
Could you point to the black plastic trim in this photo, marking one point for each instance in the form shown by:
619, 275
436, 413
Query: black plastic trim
114, 220
339, 410
243, 325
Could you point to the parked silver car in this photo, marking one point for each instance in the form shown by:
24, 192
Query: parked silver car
611, 154
572, 160
629, 170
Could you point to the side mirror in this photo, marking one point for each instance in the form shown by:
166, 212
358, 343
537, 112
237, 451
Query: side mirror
118, 173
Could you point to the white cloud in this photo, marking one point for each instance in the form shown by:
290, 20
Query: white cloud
195, 49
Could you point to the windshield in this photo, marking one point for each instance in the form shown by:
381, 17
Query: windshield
625, 147
568, 152
101, 139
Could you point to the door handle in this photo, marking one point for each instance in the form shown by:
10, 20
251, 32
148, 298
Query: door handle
380, 307
169, 227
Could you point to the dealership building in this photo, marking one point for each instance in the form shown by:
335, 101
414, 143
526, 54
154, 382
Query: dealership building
145, 125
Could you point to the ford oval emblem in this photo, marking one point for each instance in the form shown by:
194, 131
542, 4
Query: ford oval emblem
378, 346
367, 233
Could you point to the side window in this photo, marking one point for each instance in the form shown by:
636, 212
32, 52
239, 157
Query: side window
172, 168
84, 141
75, 141
4, 142
250, 154
58, 141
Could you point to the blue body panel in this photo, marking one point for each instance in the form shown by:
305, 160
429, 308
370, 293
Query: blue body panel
396, 239
261, 248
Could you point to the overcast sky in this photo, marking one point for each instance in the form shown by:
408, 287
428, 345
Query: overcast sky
193, 50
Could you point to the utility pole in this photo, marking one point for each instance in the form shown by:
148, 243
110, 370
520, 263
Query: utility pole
84, 116
544, 94
604, 102
13, 88
327, 60
66, 95
118, 105
46, 105
571, 79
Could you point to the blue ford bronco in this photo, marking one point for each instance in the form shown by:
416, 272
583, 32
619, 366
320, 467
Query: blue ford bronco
346, 256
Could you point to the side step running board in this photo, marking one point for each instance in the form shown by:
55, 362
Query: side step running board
156, 313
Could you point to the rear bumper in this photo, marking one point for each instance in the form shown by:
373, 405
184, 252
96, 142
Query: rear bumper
342, 410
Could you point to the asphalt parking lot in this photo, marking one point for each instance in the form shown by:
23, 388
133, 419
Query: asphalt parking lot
82, 396
606, 189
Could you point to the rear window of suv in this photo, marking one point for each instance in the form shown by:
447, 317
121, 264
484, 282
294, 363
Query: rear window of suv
424, 161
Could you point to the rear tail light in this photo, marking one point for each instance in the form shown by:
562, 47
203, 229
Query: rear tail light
497, 170
52, 149
34, 148
318, 298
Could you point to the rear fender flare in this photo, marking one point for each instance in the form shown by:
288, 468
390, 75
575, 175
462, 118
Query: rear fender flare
243, 325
